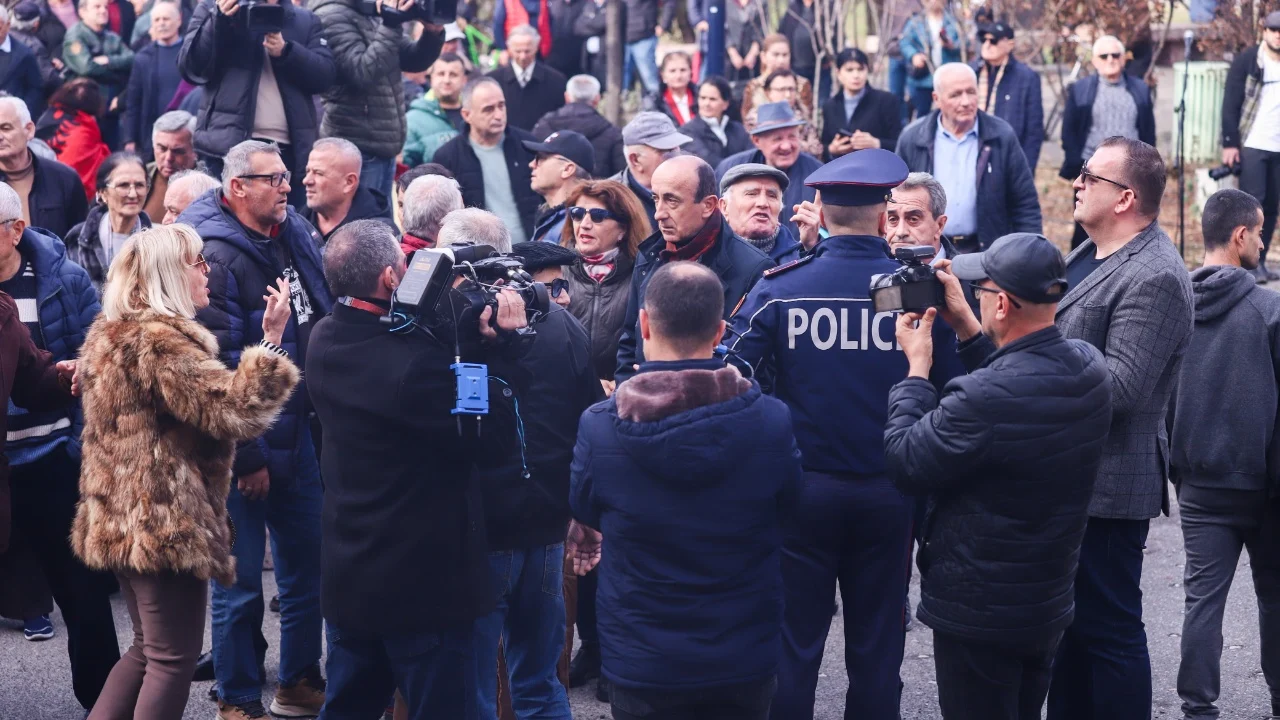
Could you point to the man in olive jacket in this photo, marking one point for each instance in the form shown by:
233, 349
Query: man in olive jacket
91, 50
366, 105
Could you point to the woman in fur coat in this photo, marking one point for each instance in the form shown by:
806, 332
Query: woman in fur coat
162, 417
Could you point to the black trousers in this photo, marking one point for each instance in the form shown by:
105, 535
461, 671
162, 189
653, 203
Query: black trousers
45, 494
989, 682
1260, 177
745, 701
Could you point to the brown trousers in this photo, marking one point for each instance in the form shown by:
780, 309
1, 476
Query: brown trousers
152, 681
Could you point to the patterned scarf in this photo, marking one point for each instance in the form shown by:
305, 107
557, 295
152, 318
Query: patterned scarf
600, 266
696, 246
984, 92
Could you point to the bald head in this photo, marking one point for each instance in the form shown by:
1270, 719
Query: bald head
684, 191
184, 188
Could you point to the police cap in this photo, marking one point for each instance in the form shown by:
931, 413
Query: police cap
863, 177
1025, 265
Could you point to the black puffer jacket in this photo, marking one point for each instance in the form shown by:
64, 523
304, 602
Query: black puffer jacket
219, 53
605, 137
602, 309
461, 160
1008, 459
366, 105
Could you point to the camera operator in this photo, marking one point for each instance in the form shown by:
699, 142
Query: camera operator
398, 489
1002, 472
366, 105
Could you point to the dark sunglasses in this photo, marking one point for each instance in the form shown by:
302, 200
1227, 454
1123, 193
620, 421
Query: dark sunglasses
598, 215
994, 291
991, 40
557, 287
1084, 173
1110, 56
276, 179
200, 263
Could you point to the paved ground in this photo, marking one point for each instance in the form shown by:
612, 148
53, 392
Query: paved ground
35, 683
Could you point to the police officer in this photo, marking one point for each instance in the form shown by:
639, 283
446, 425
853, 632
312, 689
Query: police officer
811, 325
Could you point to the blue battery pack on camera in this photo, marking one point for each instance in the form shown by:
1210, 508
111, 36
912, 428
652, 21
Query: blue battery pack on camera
473, 388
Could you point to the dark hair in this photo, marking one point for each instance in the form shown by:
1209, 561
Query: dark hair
1225, 211
723, 87
706, 182
81, 94
684, 301
113, 161
452, 58
849, 55
1143, 170
417, 171
621, 203
777, 75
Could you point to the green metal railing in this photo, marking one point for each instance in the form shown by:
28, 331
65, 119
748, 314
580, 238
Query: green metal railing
1208, 81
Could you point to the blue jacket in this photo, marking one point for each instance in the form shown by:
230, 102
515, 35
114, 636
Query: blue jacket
916, 38
241, 266
1017, 102
22, 79
796, 192
691, 497
832, 358
1077, 119
550, 224
67, 304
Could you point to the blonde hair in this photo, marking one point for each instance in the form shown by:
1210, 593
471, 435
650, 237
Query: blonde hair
150, 273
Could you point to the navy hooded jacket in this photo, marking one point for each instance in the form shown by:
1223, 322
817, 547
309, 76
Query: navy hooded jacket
241, 266
688, 471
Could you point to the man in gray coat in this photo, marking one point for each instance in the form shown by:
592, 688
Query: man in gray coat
1131, 298
1225, 480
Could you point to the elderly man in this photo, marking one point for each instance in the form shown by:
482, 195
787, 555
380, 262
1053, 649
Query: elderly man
560, 163
690, 227
473, 225
22, 77
335, 196
154, 79
917, 215
52, 195
1131, 298
1009, 89
777, 140
532, 87
958, 141
172, 138
648, 140
1103, 105
580, 114
184, 188
751, 199
427, 201
490, 161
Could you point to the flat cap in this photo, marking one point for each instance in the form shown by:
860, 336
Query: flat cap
753, 170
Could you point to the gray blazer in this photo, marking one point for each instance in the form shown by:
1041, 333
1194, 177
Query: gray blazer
1137, 308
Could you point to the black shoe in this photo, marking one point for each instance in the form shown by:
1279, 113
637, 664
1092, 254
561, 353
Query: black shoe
274, 604
204, 668
585, 665
602, 690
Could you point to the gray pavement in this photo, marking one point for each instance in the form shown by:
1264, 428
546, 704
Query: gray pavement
35, 681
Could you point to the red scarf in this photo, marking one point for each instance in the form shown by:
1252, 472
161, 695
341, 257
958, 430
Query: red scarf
517, 16
682, 113
410, 243
694, 247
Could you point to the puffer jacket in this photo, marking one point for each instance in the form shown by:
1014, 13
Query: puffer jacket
162, 417
689, 471
366, 104
427, 128
601, 307
241, 266
84, 246
1008, 459
605, 137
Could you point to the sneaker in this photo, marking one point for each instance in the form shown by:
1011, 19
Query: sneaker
274, 605
304, 698
585, 665
38, 628
243, 711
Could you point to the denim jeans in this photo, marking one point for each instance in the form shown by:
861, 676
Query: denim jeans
529, 620
377, 174
434, 671
641, 57
292, 511
898, 85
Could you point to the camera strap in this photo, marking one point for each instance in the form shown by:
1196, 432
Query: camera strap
358, 304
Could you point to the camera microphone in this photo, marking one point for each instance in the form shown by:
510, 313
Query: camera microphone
1188, 38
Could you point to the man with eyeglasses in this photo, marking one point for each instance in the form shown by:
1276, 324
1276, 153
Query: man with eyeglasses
1130, 297
560, 162
252, 237
1105, 104
1251, 129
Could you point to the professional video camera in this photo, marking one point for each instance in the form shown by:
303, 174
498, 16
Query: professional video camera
263, 17
1224, 170
914, 287
432, 12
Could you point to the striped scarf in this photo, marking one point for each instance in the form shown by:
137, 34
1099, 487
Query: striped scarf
991, 94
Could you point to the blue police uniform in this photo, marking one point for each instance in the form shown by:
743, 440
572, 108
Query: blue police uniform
809, 329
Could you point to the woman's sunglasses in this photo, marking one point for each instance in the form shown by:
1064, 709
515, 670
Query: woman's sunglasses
557, 287
598, 215
200, 263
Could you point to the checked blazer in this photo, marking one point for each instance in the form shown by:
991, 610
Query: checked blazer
1137, 308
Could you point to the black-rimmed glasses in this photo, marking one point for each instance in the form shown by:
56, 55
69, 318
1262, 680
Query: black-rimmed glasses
598, 215
276, 179
1084, 173
994, 291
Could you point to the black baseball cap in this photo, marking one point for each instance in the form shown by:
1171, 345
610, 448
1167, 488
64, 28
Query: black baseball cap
570, 144
997, 30
1025, 265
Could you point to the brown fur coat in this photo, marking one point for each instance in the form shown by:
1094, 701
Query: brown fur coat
162, 417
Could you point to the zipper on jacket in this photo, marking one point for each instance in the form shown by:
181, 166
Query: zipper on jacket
44, 342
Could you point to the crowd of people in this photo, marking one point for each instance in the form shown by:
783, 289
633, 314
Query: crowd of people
709, 435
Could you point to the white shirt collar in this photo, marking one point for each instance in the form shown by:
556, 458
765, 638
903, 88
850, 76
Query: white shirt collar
7, 45
523, 75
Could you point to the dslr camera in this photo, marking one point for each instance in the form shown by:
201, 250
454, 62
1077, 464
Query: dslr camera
914, 287
432, 12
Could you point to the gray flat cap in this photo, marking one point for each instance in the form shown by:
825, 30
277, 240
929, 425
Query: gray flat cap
655, 130
752, 170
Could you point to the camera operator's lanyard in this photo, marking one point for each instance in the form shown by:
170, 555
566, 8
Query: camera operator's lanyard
364, 305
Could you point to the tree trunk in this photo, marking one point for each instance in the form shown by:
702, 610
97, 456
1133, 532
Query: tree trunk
613, 50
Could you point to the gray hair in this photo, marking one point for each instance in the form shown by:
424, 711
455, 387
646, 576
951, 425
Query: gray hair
239, 160
582, 88
10, 204
356, 256
525, 31
343, 147
937, 195
427, 201
19, 106
4, 14
470, 88
1108, 39
202, 180
950, 69
473, 225
174, 121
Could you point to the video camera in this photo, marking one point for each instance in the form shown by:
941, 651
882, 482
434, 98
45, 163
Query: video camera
914, 287
432, 12
264, 18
